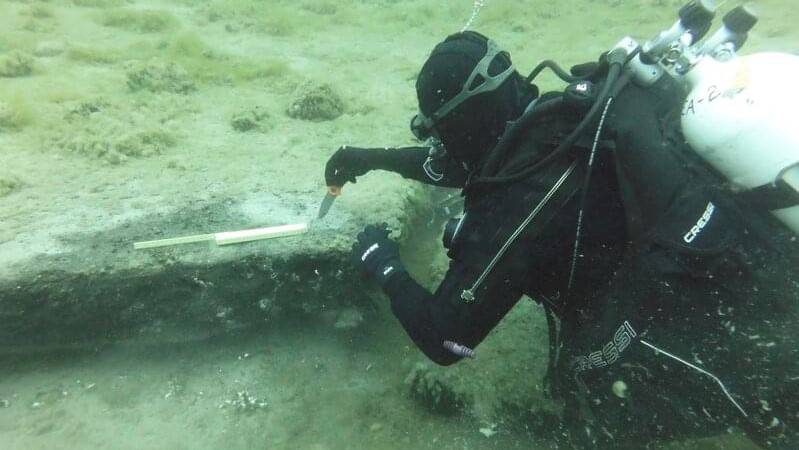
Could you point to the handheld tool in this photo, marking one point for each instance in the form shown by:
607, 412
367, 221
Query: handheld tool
327, 202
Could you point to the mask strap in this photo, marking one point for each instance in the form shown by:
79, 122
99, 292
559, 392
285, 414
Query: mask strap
490, 83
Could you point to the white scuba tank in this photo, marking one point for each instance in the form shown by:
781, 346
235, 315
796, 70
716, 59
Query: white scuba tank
741, 117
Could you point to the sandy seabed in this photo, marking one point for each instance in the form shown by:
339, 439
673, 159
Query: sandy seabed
114, 108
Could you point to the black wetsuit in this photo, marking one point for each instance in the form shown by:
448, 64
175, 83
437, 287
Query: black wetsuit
679, 298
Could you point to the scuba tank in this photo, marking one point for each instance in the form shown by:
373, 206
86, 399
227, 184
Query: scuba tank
738, 114
740, 118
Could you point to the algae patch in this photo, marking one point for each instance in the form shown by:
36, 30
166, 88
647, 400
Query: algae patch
187, 61
93, 55
99, 3
39, 11
139, 21
208, 64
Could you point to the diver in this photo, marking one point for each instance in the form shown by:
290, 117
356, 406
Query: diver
671, 304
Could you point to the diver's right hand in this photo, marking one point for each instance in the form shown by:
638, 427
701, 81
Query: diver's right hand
346, 164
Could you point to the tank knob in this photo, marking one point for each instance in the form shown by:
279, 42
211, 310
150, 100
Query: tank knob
697, 16
740, 19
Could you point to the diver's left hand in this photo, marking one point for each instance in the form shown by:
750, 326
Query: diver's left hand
376, 254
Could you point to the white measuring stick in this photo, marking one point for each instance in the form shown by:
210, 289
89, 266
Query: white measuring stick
173, 241
229, 237
234, 237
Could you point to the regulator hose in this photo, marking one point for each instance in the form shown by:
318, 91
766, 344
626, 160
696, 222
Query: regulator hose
497, 154
554, 67
614, 83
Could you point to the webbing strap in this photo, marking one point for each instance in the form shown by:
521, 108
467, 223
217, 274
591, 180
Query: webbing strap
771, 196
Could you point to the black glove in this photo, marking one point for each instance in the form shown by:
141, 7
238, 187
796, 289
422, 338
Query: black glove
376, 254
348, 163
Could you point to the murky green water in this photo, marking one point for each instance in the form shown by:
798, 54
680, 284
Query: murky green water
166, 80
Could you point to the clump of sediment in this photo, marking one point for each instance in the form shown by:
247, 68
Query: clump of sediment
435, 390
14, 115
114, 133
253, 119
8, 184
315, 102
47, 49
155, 76
16, 64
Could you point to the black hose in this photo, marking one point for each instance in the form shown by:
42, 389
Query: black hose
497, 155
616, 61
553, 66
